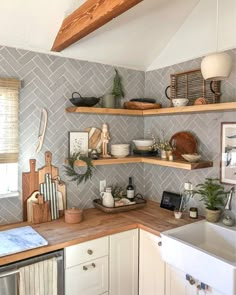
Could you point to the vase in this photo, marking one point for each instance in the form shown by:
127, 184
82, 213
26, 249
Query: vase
163, 154
213, 215
169, 155
108, 101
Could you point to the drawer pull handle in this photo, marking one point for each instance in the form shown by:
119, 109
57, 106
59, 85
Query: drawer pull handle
90, 252
86, 267
159, 244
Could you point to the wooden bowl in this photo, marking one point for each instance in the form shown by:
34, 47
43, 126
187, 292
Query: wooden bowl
133, 105
73, 215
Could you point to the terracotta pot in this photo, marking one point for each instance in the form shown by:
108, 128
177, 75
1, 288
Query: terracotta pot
212, 215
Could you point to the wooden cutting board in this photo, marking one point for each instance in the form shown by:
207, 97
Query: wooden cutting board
61, 189
48, 168
184, 143
95, 141
30, 183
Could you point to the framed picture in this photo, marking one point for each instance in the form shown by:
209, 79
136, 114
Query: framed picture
78, 142
228, 153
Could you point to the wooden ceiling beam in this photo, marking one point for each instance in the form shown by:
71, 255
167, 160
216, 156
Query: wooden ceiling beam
87, 18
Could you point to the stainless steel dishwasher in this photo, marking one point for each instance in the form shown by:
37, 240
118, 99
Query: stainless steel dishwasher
9, 273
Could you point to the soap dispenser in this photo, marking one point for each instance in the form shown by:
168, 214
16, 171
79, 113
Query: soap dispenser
228, 218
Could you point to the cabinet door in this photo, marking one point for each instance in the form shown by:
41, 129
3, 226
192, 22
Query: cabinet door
90, 278
124, 263
151, 265
176, 283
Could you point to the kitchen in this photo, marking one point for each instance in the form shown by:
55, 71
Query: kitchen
49, 80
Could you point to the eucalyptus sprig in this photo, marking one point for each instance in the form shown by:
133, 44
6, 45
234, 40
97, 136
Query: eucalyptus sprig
75, 176
117, 90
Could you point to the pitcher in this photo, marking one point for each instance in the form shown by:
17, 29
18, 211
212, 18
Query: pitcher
107, 198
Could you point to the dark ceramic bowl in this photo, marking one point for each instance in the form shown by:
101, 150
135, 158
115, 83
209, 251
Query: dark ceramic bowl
80, 101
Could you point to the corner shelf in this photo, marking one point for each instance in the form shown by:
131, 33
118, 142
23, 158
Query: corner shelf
216, 107
104, 111
150, 160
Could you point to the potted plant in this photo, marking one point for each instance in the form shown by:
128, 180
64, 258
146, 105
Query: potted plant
163, 146
213, 196
117, 90
109, 100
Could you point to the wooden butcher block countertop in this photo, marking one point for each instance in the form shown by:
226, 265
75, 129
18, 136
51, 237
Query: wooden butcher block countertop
97, 224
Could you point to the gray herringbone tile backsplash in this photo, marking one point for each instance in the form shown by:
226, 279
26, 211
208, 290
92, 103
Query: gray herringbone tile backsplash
48, 81
206, 128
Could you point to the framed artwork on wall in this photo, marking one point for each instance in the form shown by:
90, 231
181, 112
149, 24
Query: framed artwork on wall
78, 142
228, 153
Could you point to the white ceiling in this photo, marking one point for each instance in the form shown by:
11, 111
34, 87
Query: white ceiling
136, 39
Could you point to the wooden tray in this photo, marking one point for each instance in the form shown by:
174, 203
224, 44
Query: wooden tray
140, 203
134, 105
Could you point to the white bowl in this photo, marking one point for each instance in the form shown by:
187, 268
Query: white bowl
179, 102
121, 146
191, 157
119, 150
143, 144
120, 155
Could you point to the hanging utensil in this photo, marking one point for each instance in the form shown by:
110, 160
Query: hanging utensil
42, 129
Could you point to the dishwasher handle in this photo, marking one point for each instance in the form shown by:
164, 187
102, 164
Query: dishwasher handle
9, 273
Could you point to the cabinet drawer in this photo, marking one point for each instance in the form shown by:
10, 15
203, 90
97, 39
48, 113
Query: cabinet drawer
90, 278
86, 251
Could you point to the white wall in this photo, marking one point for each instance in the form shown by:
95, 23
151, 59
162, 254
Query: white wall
197, 36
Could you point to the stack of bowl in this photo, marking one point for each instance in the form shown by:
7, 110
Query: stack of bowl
120, 150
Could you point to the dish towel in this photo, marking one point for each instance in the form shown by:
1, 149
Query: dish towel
39, 278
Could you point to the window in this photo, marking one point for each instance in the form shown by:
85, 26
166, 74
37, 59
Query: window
9, 147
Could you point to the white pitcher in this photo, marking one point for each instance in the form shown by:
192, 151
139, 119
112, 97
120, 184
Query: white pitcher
107, 198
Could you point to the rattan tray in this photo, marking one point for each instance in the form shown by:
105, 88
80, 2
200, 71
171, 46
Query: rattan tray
140, 203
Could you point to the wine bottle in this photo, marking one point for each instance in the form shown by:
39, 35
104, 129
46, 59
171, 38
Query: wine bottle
130, 190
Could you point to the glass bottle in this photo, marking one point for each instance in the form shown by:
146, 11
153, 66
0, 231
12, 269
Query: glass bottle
130, 190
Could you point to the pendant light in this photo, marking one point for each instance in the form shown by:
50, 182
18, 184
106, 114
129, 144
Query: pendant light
216, 66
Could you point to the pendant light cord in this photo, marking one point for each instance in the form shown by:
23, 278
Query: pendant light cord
217, 25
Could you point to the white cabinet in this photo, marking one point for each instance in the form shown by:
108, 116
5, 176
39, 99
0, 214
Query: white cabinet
176, 284
151, 265
123, 268
86, 268
90, 278
86, 251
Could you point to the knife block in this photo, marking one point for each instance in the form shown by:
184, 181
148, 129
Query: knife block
41, 211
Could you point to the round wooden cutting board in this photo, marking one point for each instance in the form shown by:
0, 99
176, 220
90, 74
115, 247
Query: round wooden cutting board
95, 141
184, 142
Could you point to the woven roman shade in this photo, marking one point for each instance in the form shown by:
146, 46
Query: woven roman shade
9, 93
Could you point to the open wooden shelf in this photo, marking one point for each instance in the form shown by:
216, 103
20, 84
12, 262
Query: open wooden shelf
104, 111
216, 107
150, 160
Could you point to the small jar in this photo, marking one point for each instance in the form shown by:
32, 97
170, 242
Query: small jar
193, 213
177, 214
